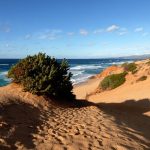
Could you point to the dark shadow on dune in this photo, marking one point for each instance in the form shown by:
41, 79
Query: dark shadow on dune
69, 104
81, 103
128, 116
139, 106
18, 121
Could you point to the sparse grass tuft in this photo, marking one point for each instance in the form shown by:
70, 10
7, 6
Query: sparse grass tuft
134, 71
113, 81
148, 63
130, 67
142, 78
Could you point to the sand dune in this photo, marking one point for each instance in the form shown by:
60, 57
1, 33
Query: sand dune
136, 91
131, 89
113, 120
84, 125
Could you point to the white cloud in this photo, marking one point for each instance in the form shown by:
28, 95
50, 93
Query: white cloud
98, 31
112, 28
70, 33
140, 29
83, 32
49, 34
28, 36
122, 33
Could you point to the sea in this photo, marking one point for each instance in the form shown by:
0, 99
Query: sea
82, 69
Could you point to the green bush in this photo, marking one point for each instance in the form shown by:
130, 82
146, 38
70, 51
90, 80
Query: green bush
148, 62
113, 81
134, 71
43, 75
142, 78
130, 67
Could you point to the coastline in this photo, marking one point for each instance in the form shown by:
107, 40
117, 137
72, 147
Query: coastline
81, 90
140, 90
85, 82
81, 69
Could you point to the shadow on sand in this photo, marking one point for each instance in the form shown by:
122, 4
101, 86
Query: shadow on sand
129, 117
18, 121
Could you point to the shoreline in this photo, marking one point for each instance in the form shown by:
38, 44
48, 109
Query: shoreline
83, 89
90, 79
120, 94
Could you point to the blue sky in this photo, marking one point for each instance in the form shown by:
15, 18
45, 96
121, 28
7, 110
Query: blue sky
74, 28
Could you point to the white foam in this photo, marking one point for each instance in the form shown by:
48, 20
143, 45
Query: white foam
7, 79
3, 77
3, 73
119, 63
4, 64
76, 73
83, 67
81, 79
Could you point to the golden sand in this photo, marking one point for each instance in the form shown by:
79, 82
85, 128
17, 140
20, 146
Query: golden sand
118, 119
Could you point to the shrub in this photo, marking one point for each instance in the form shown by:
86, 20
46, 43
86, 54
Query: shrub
132, 67
142, 78
148, 63
113, 81
43, 75
134, 71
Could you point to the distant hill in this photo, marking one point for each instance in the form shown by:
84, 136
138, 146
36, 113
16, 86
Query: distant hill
145, 56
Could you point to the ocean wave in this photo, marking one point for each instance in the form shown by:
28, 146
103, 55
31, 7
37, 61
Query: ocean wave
119, 63
3, 73
83, 67
3, 78
8, 80
77, 73
4, 64
81, 79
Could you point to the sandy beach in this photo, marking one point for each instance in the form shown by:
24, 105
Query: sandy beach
117, 119
83, 89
